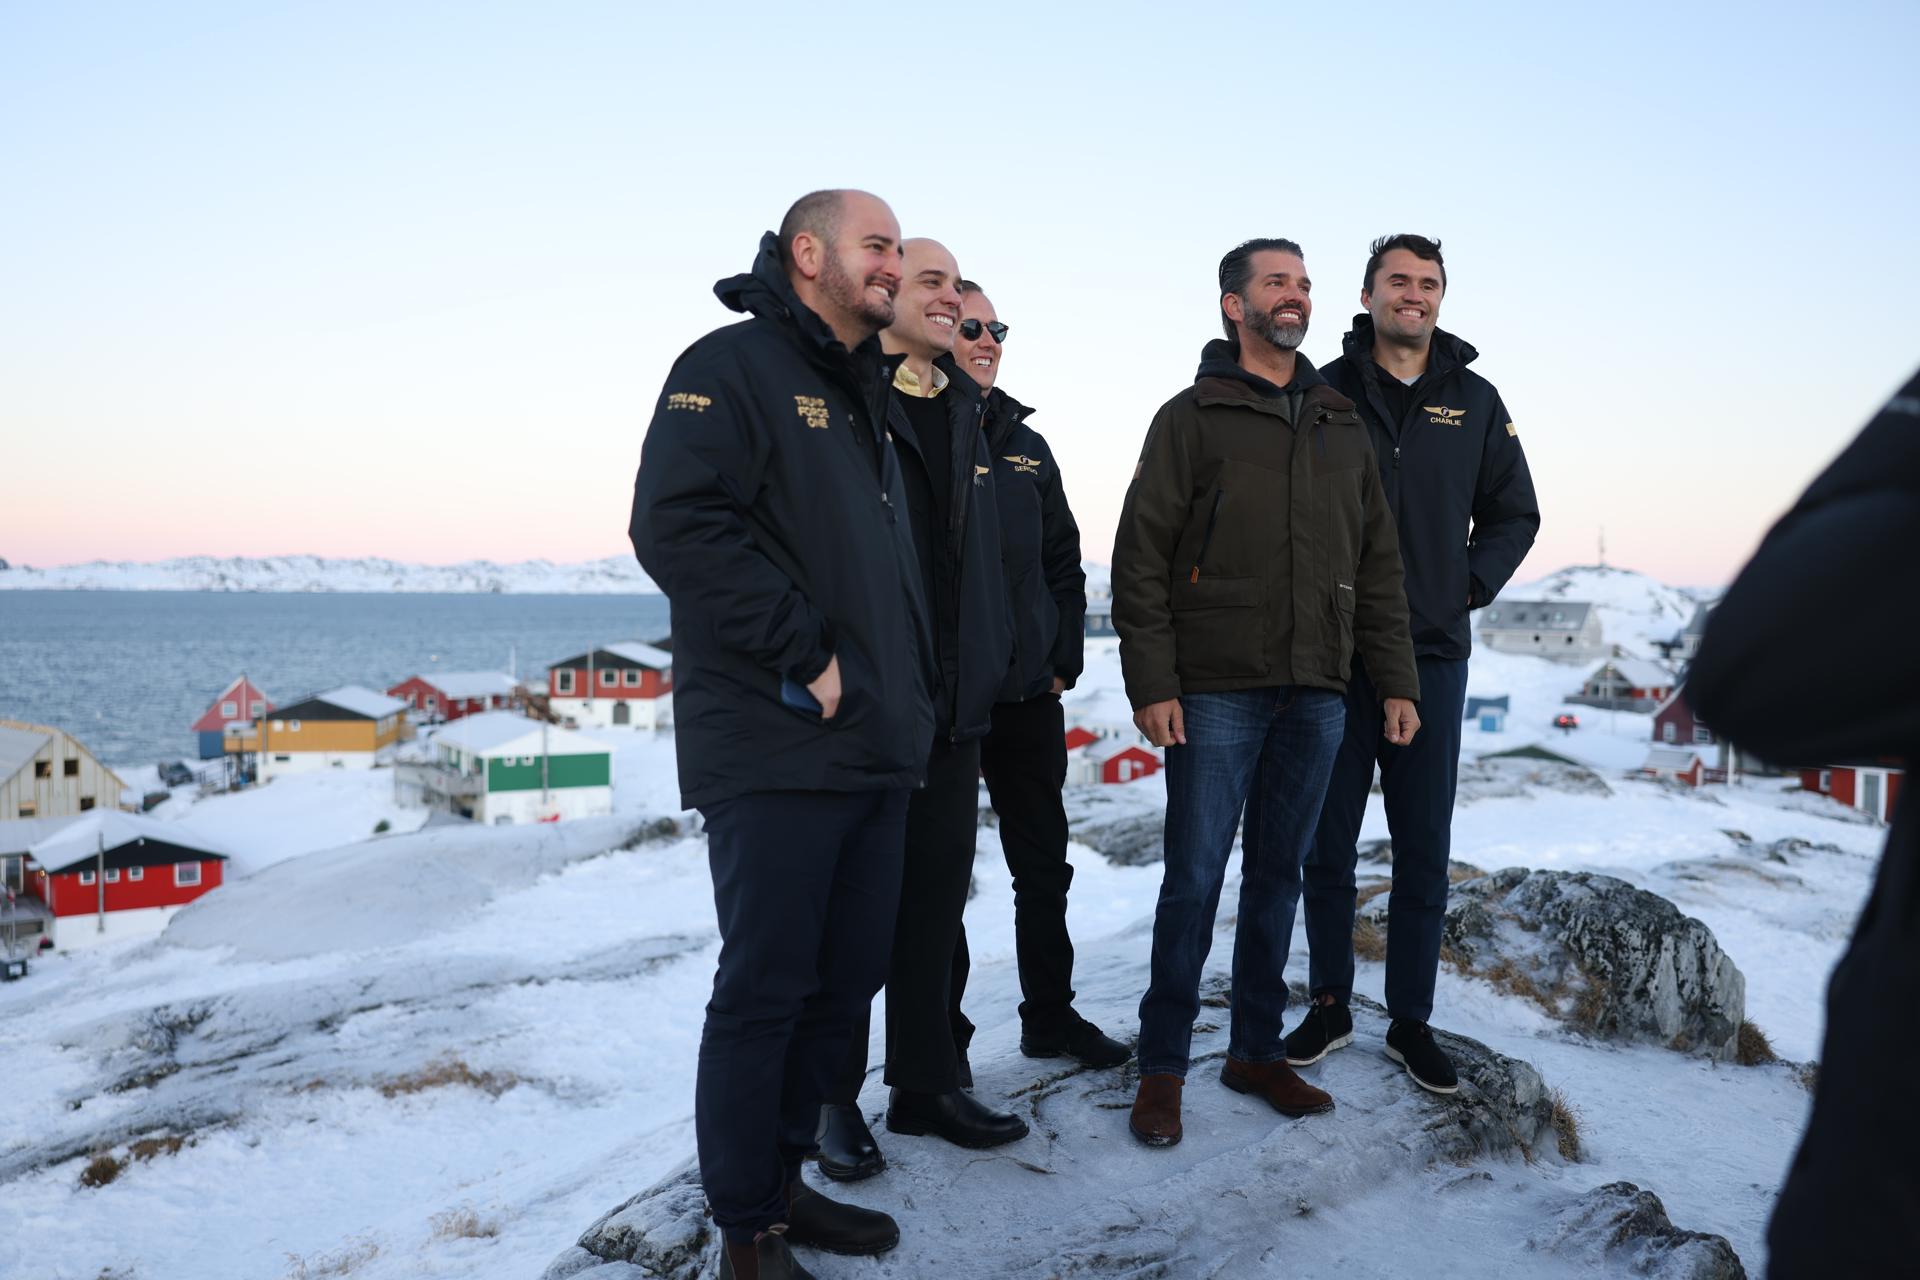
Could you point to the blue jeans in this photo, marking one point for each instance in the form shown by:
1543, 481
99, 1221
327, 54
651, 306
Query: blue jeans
1269, 752
1417, 783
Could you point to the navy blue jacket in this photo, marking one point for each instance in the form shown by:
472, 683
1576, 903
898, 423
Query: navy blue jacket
770, 510
1456, 480
1040, 549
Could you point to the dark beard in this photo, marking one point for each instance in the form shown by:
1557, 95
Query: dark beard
1286, 337
853, 299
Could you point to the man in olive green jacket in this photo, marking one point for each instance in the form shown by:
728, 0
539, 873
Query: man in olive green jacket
1255, 552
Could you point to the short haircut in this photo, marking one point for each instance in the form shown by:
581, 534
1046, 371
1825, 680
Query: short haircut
1236, 269
967, 286
817, 213
1419, 246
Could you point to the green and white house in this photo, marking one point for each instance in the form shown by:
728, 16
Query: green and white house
500, 767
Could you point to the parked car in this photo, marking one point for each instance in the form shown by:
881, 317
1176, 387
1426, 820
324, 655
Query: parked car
1566, 720
175, 773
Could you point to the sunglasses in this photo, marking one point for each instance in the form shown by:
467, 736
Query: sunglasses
970, 329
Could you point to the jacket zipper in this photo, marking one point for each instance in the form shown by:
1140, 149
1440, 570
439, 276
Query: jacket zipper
1206, 539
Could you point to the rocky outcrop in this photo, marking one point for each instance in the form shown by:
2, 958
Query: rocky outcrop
1616, 961
1619, 1226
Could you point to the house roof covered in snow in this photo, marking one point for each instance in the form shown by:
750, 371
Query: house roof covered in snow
19, 744
360, 700
634, 651
1102, 750
110, 829
1673, 759
508, 733
468, 684
1638, 673
17, 835
1535, 615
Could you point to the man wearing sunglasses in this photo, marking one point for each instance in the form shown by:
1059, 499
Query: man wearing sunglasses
1255, 555
1024, 757
934, 416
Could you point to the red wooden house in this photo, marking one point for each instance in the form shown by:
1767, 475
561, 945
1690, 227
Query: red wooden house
1874, 789
629, 683
111, 875
241, 700
1111, 760
1080, 736
449, 695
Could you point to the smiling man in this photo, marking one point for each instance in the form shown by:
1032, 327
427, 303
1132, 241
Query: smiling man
767, 507
1255, 555
935, 417
1457, 483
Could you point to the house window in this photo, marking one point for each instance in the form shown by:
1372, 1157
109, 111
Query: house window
43, 768
186, 874
113, 875
1669, 732
26, 809
282, 758
279, 726
432, 702
259, 708
563, 681
609, 678
228, 710
1493, 615
86, 803
1826, 782
1702, 734
136, 873
633, 677
71, 768
293, 725
86, 877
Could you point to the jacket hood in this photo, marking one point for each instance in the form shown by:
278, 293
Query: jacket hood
1449, 352
1220, 358
764, 291
1004, 413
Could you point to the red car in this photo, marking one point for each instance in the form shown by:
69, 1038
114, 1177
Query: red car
1566, 720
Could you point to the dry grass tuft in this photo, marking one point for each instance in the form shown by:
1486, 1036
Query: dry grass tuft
445, 1072
1367, 893
1506, 976
342, 1261
101, 1170
148, 1148
1369, 940
1752, 1048
1808, 1074
1461, 872
463, 1224
1566, 1126
1590, 1006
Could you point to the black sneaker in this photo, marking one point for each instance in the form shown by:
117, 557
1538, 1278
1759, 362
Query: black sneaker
1325, 1028
1076, 1038
1411, 1044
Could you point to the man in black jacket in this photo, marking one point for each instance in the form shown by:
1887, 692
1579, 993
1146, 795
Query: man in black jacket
1024, 757
935, 418
1835, 589
772, 513
1462, 499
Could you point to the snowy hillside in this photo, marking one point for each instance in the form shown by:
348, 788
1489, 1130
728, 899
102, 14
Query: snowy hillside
612, 576
1635, 610
449, 1051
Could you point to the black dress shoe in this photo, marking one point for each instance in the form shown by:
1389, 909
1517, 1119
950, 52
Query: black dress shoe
1075, 1038
814, 1220
955, 1115
848, 1152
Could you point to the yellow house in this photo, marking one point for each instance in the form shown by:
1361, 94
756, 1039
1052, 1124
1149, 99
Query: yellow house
46, 773
344, 728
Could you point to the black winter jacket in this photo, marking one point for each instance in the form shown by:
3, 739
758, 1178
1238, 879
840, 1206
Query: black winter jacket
1040, 548
1811, 660
1456, 479
772, 514
960, 563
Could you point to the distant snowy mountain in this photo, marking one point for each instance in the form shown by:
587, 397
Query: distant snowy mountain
1635, 610
615, 575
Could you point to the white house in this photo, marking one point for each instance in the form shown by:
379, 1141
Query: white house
1557, 629
500, 767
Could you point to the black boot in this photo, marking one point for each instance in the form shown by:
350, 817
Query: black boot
814, 1220
767, 1258
1075, 1038
848, 1152
955, 1115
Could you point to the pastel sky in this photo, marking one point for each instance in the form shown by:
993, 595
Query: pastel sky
405, 279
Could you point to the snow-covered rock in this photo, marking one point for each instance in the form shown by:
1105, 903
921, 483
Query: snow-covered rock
1079, 1196
1618, 961
1619, 1223
614, 575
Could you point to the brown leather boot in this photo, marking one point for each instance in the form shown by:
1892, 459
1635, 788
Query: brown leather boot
1277, 1082
767, 1258
1156, 1110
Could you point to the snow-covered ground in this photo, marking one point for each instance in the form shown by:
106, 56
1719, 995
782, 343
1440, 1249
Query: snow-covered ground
445, 1051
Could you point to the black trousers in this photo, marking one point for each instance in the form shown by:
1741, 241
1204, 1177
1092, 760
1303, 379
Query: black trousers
942, 821
806, 885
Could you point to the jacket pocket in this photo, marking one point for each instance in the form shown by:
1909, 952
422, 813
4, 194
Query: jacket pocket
1219, 628
1343, 602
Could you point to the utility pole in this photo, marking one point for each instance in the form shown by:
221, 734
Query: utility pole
1603, 546
100, 878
